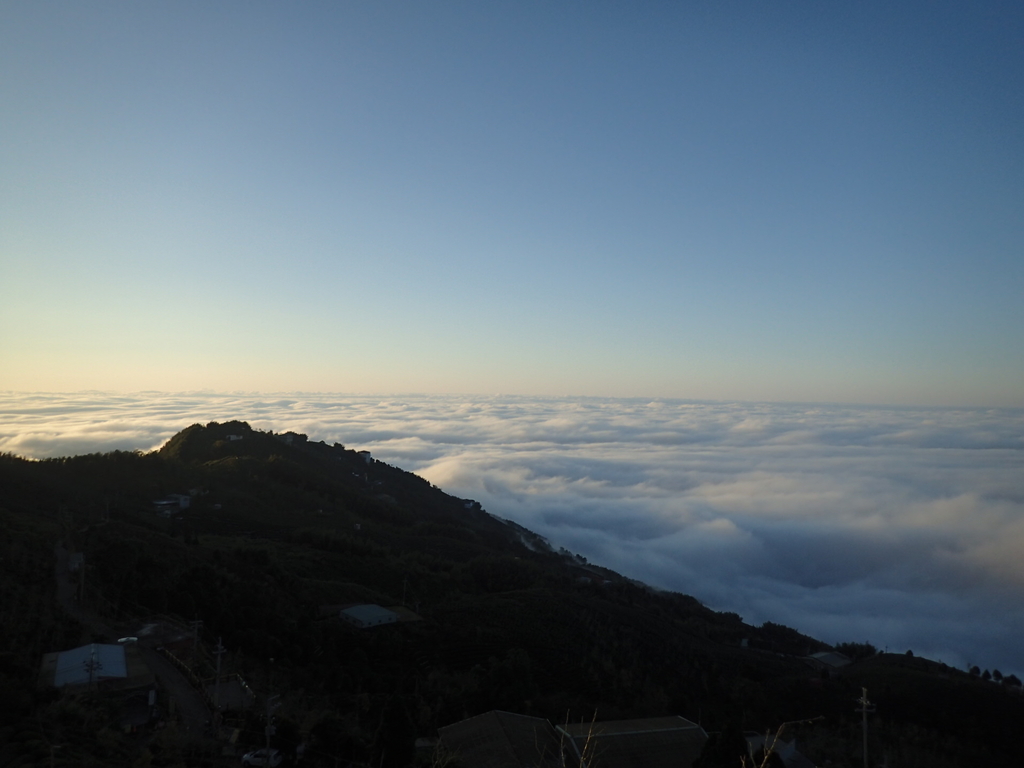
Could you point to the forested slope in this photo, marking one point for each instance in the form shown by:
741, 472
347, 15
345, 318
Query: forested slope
278, 529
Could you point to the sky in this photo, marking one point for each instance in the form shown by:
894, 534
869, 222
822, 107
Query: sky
898, 526
728, 201
723, 295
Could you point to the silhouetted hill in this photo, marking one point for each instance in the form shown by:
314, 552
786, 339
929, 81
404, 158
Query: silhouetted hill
279, 531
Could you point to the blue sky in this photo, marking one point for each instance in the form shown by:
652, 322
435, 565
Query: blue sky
697, 200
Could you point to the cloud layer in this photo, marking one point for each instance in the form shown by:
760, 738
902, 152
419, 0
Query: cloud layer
900, 526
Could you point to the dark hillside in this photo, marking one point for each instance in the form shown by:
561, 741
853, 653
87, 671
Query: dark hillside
280, 531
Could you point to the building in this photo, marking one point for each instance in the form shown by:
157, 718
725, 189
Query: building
503, 740
172, 503
786, 750
653, 742
106, 666
369, 615
828, 662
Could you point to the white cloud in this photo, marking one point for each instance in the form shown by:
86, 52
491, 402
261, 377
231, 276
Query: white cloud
900, 526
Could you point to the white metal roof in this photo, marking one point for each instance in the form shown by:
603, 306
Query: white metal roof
73, 666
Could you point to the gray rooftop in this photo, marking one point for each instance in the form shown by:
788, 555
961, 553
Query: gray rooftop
369, 615
73, 666
503, 740
652, 742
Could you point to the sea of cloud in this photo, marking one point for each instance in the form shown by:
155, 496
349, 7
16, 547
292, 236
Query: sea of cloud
900, 526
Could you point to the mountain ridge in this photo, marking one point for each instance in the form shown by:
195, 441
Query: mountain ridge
278, 526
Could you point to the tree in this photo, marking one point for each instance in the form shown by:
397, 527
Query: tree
287, 736
771, 760
394, 745
336, 738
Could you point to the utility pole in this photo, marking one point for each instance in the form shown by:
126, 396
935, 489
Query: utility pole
865, 707
92, 665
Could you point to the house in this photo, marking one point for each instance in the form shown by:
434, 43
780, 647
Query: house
653, 742
503, 740
827, 662
173, 502
107, 666
404, 614
365, 616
